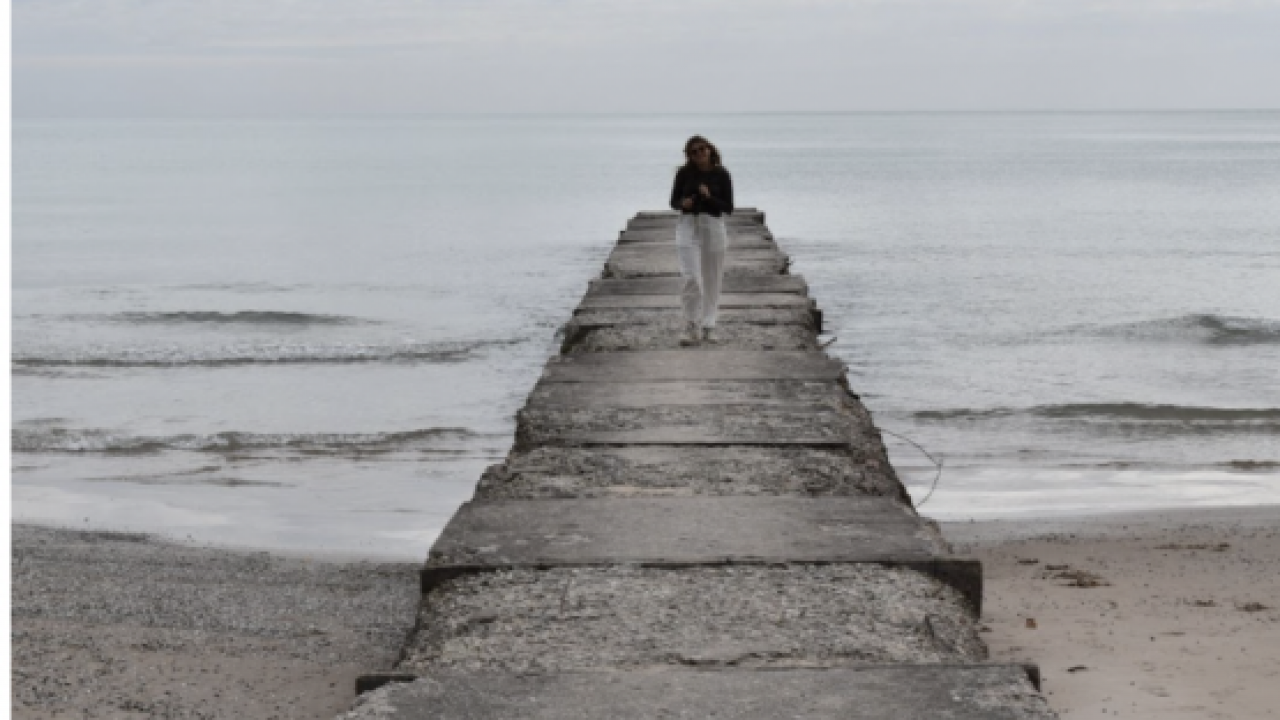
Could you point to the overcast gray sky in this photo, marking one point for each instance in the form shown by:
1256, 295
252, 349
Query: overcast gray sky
280, 57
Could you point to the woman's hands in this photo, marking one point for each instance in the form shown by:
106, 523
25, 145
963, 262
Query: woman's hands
687, 203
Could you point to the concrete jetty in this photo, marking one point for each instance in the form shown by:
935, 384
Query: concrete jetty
712, 531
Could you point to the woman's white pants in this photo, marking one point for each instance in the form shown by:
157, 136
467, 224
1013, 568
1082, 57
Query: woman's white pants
700, 242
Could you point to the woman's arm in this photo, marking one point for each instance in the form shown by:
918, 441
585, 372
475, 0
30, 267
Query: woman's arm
722, 204
675, 191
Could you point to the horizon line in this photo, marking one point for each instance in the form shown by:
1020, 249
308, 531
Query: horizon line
597, 113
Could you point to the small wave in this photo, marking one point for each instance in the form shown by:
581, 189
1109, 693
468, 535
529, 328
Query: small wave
246, 287
1206, 329
253, 355
47, 372
180, 479
963, 414
1265, 420
1140, 411
64, 440
1253, 465
244, 317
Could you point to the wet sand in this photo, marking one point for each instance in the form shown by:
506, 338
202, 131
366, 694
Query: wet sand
1159, 615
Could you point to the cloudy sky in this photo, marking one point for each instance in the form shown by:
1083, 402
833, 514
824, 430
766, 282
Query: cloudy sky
281, 57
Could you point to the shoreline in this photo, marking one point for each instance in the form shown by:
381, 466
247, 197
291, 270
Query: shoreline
245, 522
110, 624
966, 531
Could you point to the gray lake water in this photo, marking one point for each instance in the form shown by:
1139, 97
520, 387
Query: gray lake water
313, 334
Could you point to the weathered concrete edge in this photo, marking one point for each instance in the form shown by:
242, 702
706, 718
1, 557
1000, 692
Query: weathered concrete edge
372, 681
619, 439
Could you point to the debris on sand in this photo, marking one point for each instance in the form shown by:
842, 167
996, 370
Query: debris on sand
1212, 547
1080, 579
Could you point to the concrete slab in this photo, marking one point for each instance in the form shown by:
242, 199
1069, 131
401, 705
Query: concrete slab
679, 531
704, 393
859, 469
649, 251
671, 319
640, 266
665, 332
682, 365
603, 317
893, 692
669, 245
727, 300
601, 617
743, 424
692, 413
672, 286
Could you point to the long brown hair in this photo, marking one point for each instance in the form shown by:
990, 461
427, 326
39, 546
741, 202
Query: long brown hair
688, 148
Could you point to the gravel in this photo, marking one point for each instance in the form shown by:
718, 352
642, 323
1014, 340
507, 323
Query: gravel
796, 615
550, 472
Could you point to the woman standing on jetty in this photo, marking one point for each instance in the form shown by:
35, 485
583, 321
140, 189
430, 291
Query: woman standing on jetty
703, 192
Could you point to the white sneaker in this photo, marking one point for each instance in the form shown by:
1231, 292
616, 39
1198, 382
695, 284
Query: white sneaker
691, 335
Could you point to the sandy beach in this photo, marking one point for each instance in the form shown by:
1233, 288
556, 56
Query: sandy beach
115, 625
1153, 615
1158, 615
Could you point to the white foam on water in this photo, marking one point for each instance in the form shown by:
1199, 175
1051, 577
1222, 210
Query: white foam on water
1023, 493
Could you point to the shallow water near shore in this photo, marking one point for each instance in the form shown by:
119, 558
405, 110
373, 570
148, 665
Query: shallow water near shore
314, 334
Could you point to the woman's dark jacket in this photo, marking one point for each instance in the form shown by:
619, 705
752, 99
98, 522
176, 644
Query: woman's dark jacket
717, 181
